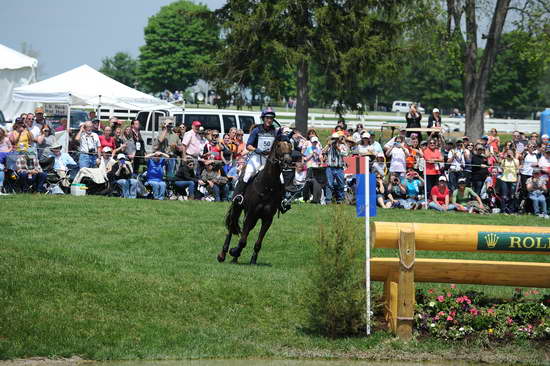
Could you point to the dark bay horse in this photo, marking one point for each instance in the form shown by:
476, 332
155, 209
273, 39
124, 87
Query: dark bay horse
262, 199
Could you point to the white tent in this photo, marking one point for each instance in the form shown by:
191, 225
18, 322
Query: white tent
85, 86
16, 69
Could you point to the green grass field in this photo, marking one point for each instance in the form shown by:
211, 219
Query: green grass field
107, 278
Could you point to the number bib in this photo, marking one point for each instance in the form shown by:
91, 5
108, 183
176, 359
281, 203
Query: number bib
265, 142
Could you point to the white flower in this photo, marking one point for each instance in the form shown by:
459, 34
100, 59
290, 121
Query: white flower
432, 325
431, 304
461, 329
547, 329
419, 316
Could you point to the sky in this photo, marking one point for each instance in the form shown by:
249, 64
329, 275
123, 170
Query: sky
70, 33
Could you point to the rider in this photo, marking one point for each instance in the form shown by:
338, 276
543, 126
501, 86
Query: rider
259, 145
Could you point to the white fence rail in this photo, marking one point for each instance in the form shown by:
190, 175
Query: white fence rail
320, 120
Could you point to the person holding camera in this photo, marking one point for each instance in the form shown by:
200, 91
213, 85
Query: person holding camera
121, 173
335, 152
396, 192
155, 173
89, 145
398, 154
169, 143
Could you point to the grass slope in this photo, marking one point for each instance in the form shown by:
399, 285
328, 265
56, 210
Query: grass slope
108, 278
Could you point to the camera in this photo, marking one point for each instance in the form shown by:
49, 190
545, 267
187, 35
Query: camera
92, 150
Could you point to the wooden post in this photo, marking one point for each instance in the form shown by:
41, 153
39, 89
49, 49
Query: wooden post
406, 291
390, 296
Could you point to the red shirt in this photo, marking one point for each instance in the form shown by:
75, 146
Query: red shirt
432, 155
439, 196
107, 141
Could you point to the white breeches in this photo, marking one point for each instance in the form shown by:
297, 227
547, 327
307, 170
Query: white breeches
254, 164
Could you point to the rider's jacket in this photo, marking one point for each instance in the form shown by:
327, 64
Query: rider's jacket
262, 138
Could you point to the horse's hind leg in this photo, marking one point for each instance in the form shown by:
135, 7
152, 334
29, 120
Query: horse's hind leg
225, 248
249, 224
265, 226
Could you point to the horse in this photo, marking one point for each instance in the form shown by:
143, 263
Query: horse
262, 199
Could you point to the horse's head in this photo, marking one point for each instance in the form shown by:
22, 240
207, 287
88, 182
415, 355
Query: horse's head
281, 152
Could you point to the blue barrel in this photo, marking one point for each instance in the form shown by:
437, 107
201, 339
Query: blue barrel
545, 122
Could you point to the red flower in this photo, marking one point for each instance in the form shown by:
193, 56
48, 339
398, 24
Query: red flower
509, 320
449, 318
474, 311
430, 291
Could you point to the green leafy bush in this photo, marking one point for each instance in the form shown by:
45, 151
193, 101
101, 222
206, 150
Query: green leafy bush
337, 301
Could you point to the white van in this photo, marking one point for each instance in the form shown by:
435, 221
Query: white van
211, 119
404, 106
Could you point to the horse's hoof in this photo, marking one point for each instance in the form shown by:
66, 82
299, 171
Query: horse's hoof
234, 252
253, 260
221, 258
235, 260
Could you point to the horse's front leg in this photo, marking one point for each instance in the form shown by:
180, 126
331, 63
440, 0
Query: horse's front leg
266, 223
225, 248
249, 223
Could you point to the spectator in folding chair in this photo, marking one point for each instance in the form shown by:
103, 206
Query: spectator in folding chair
64, 164
156, 162
30, 173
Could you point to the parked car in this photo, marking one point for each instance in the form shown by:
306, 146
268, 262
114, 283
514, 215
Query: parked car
218, 119
404, 106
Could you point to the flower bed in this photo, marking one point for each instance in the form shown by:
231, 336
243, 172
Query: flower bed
455, 314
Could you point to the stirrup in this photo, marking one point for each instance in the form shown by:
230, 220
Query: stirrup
238, 199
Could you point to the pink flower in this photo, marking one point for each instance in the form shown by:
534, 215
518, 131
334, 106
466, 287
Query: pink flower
535, 292
509, 320
440, 298
430, 291
449, 318
474, 311
460, 299
436, 317
468, 301
449, 294
441, 313
452, 313
453, 285
491, 311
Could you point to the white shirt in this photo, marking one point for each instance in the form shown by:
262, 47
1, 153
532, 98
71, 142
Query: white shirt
528, 162
398, 160
89, 142
457, 162
544, 164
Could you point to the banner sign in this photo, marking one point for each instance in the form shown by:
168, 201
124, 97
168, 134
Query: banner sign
360, 195
56, 109
510, 241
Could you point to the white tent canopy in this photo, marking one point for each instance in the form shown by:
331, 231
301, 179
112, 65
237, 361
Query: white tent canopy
16, 69
88, 87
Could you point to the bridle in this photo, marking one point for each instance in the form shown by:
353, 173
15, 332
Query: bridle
273, 158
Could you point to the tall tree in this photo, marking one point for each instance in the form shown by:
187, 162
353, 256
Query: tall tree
179, 42
347, 39
478, 62
121, 67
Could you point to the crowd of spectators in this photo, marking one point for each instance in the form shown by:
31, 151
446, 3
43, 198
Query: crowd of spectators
413, 170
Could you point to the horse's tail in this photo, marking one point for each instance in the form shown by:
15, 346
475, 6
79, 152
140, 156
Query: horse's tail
232, 219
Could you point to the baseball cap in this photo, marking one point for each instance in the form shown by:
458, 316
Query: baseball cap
39, 110
108, 149
462, 180
56, 146
365, 135
485, 137
435, 110
121, 156
335, 135
314, 139
442, 179
196, 123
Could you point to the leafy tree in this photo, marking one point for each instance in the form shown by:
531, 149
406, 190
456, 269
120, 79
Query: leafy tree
179, 43
348, 40
515, 84
478, 62
121, 67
